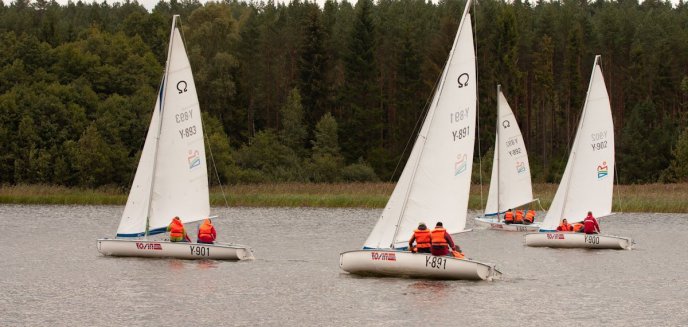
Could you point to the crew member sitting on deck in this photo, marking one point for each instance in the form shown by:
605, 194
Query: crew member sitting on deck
578, 227
422, 237
591, 225
509, 216
564, 226
206, 232
529, 218
518, 219
441, 240
177, 232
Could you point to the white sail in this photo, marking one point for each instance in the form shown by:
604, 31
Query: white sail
510, 185
171, 179
435, 182
588, 180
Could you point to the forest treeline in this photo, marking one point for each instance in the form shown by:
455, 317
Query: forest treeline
298, 92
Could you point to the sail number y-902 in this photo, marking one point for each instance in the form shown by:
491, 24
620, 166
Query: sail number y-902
200, 251
435, 262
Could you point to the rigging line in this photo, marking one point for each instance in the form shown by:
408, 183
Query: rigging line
618, 191
477, 107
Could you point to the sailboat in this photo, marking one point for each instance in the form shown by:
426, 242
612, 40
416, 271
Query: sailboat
435, 182
510, 185
588, 180
171, 178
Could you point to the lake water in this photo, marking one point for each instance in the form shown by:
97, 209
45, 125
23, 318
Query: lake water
52, 274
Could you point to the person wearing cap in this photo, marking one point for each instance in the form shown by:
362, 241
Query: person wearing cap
206, 232
441, 240
422, 238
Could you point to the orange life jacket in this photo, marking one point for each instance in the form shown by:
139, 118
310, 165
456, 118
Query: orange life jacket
458, 254
176, 228
509, 216
205, 231
530, 216
437, 236
566, 227
519, 216
578, 227
423, 239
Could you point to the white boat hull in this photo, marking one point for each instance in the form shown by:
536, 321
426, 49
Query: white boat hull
492, 223
577, 240
179, 250
416, 265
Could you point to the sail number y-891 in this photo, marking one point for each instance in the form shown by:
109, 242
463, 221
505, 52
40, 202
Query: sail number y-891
200, 251
435, 262
187, 132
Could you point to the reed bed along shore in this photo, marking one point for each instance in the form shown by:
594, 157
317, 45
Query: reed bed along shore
627, 198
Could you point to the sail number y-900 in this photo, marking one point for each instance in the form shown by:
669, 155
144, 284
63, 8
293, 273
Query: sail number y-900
435, 262
592, 239
200, 251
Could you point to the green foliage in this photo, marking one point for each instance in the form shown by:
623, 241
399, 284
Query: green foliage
293, 133
678, 169
326, 162
267, 159
359, 172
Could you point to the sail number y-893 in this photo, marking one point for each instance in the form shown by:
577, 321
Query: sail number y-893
200, 251
435, 262
187, 132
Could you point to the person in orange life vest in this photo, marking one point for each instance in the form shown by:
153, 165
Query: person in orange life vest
591, 225
177, 232
441, 240
457, 253
509, 216
530, 217
206, 232
564, 226
518, 219
422, 238
578, 227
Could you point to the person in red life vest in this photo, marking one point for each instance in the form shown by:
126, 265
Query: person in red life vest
518, 219
177, 232
206, 232
509, 216
591, 225
422, 238
457, 253
441, 240
564, 226
530, 217
578, 227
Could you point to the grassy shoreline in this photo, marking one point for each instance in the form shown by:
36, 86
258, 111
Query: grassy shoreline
627, 198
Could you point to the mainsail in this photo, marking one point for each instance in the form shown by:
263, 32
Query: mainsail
171, 178
510, 185
435, 182
588, 181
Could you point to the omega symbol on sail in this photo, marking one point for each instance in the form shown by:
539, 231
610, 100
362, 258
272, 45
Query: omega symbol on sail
463, 80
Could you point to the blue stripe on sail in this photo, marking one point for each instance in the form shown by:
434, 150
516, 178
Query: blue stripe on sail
162, 90
405, 248
546, 230
141, 234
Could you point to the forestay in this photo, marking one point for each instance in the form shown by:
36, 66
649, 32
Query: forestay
435, 182
588, 180
510, 185
171, 178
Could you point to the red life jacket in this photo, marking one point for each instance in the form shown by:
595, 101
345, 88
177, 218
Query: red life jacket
565, 227
578, 227
509, 216
519, 216
176, 228
437, 237
530, 216
205, 232
591, 225
423, 239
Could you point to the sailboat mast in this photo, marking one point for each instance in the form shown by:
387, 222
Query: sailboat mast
496, 156
428, 120
163, 96
575, 142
